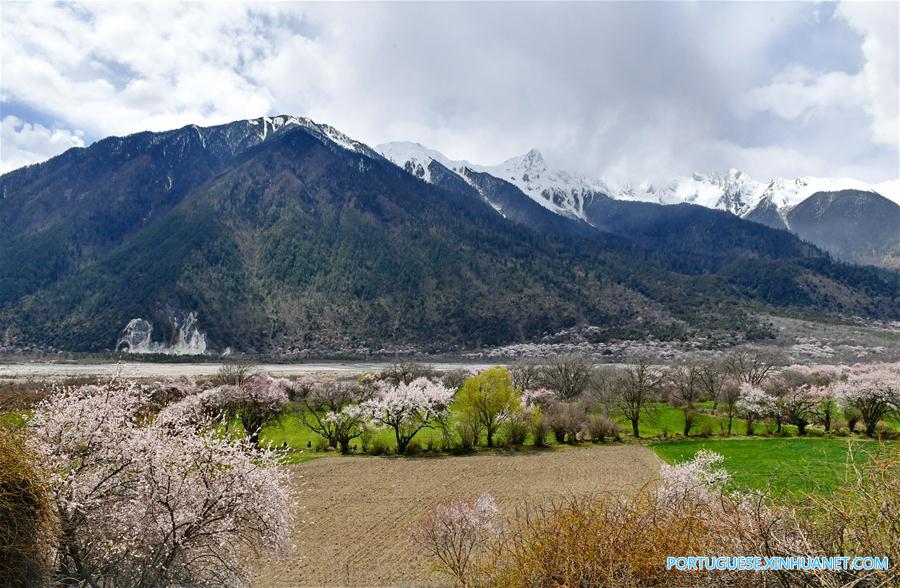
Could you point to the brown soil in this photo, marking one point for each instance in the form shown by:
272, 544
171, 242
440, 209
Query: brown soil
355, 513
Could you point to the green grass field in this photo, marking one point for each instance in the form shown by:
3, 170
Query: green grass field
786, 466
663, 420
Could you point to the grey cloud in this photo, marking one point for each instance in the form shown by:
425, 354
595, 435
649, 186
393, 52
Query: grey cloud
629, 91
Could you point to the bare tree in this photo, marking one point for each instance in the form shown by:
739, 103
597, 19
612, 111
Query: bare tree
686, 390
637, 385
569, 376
235, 373
525, 375
750, 367
713, 378
729, 395
404, 373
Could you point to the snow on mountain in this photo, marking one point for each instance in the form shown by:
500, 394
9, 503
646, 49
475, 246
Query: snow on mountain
562, 192
416, 158
276, 124
567, 193
732, 190
737, 193
558, 190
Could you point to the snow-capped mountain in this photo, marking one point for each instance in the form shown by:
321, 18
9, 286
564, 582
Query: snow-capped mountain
566, 193
732, 190
560, 191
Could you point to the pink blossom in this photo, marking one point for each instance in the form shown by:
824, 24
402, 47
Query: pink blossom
408, 408
541, 397
144, 504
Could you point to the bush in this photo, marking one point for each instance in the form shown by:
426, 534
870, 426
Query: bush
706, 429
539, 428
378, 447
689, 418
566, 420
853, 416
467, 430
600, 428
28, 524
414, 447
516, 429
602, 540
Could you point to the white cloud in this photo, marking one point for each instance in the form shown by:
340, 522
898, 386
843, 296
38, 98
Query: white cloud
881, 39
798, 92
630, 91
22, 143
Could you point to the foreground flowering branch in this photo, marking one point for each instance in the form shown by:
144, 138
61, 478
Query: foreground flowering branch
152, 500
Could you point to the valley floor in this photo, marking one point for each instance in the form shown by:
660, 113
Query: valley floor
355, 513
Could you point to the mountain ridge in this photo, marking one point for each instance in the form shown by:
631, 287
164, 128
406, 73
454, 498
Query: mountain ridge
732, 191
280, 236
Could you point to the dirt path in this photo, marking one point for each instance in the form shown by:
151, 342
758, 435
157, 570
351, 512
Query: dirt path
356, 512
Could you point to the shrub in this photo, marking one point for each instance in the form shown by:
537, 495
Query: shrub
689, 418
539, 428
414, 447
28, 522
467, 430
378, 447
706, 429
517, 428
566, 420
603, 540
234, 374
853, 416
600, 428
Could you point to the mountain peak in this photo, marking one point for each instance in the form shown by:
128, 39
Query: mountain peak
534, 157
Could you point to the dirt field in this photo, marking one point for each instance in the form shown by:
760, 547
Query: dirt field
355, 512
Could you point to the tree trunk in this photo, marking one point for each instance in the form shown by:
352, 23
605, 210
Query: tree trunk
490, 437
345, 446
729, 425
870, 427
401, 443
749, 426
634, 428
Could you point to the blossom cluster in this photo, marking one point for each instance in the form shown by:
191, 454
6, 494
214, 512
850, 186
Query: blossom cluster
420, 400
756, 402
154, 502
202, 406
694, 480
540, 397
881, 383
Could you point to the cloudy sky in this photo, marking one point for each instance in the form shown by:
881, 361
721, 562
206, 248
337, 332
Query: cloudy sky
624, 91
